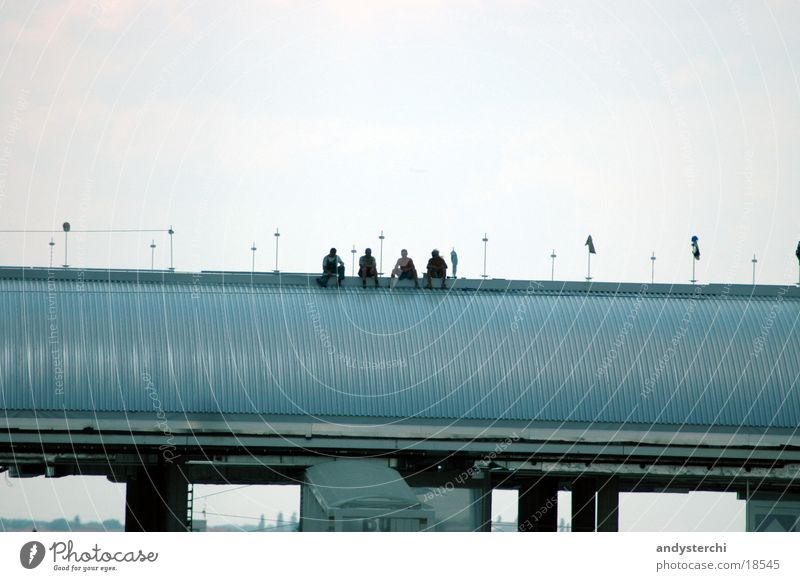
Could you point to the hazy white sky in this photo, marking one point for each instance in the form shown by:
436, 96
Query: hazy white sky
640, 123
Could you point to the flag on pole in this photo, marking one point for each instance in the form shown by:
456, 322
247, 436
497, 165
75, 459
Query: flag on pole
590, 244
695, 248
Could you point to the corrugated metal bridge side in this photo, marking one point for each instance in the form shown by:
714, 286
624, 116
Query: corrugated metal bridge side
557, 352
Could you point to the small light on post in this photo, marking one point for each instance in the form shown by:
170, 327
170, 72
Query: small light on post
277, 239
171, 264
485, 240
380, 266
653, 268
66, 227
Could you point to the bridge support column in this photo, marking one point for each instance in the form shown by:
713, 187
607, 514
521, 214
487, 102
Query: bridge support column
538, 505
486, 503
583, 504
608, 506
156, 499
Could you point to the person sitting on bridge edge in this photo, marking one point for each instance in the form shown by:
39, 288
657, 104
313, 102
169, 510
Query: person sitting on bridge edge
332, 265
404, 268
367, 268
437, 268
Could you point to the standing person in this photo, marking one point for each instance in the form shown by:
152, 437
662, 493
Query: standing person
367, 268
437, 268
454, 261
404, 268
332, 265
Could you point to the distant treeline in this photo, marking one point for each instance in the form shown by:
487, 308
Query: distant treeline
60, 525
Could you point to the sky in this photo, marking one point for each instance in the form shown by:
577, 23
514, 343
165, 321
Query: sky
533, 123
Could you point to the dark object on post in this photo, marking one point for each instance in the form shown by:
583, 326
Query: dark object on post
695, 248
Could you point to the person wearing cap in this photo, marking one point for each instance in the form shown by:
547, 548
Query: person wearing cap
437, 268
332, 265
404, 268
367, 268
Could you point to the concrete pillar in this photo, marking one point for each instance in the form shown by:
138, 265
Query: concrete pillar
538, 505
486, 503
608, 505
156, 499
583, 504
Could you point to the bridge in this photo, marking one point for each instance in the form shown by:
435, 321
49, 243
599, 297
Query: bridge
164, 379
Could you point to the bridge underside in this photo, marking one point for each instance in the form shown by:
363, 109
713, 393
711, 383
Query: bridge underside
596, 462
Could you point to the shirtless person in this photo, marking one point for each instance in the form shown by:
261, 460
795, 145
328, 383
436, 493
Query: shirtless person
404, 268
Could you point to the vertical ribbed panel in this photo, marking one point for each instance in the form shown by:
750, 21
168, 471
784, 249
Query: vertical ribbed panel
234, 349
